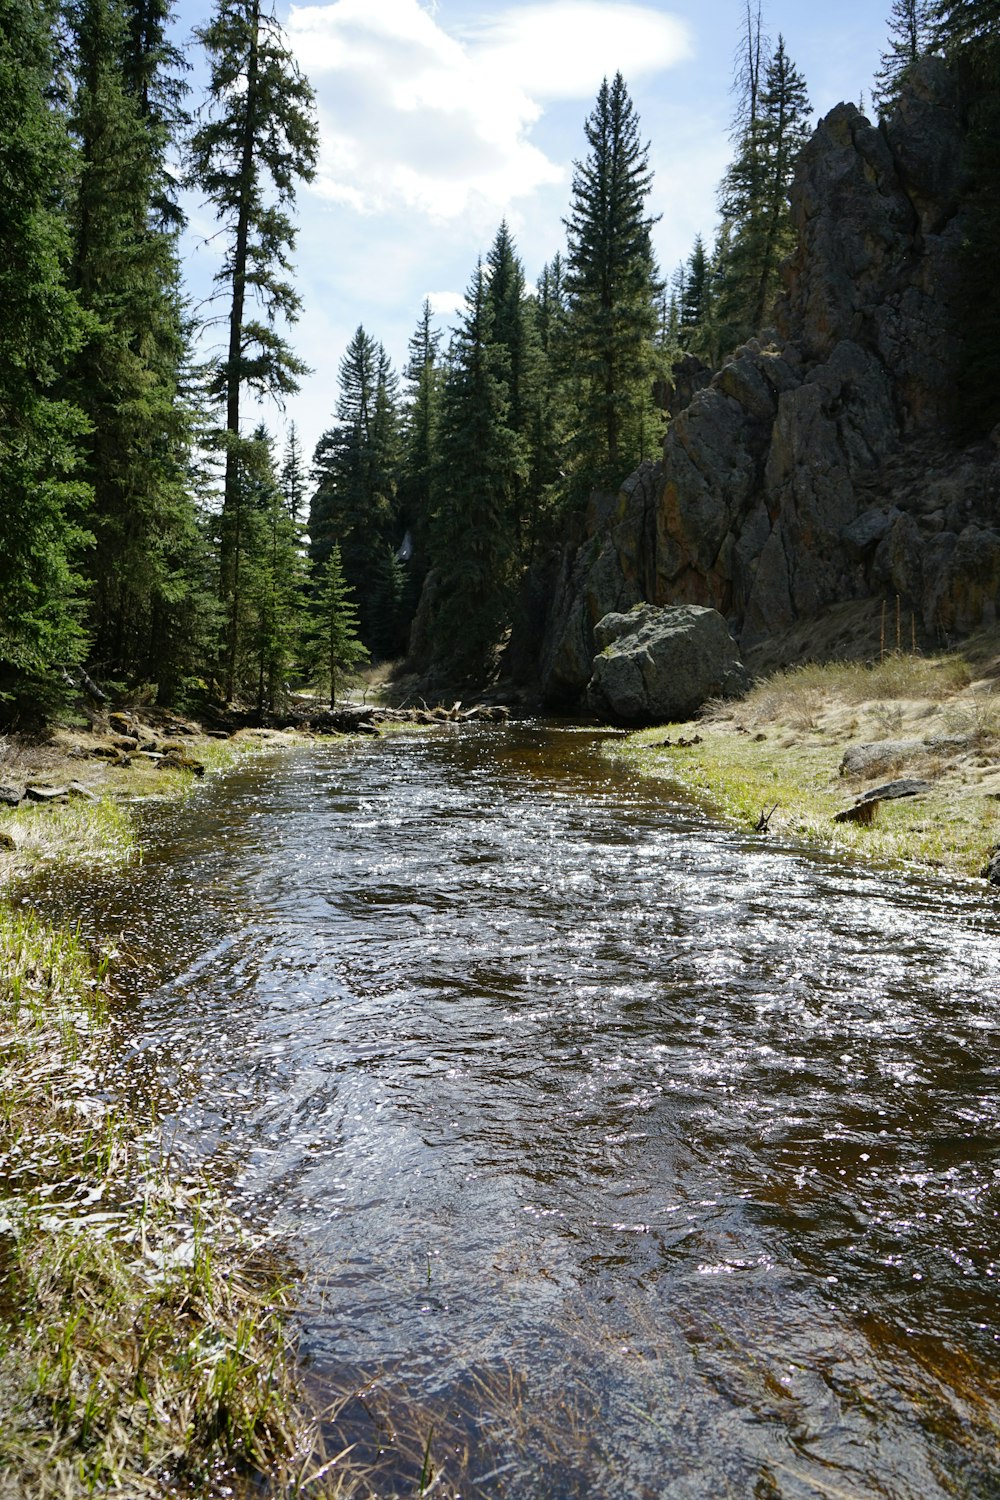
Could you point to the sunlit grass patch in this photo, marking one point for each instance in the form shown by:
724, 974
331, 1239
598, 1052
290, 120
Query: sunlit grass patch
802, 690
73, 831
143, 1342
739, 777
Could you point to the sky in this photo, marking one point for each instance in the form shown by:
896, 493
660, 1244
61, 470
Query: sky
440, 118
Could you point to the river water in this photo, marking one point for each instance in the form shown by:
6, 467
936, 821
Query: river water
643, 1157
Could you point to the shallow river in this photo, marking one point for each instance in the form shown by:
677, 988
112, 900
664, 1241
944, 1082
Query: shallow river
642, 1157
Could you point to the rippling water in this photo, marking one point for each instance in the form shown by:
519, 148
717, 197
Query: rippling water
661, 1161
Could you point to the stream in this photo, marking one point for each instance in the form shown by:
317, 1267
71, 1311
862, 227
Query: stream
647, 1158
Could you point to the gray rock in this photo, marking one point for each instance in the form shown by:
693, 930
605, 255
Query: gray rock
38, 793
889, 791
991, 869
869, 760
813, 467
9, 796
661, 665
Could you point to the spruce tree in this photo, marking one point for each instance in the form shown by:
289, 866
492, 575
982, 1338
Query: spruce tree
256, 141
125, 378
547, 490
969, 33
43, 505
957, 22
612, 285
336, 646
153, 69
293, 476
354, 469
419, 431
909, 38
757, 231
275, 591
513, 330
480, 465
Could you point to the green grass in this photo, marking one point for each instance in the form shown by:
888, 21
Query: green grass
142, 1338
804, 718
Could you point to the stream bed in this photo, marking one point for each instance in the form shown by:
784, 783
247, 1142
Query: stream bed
649, 1158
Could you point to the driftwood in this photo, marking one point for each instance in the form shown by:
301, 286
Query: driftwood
864, 810
763, 823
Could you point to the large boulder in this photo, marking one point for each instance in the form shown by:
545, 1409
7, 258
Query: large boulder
661, 665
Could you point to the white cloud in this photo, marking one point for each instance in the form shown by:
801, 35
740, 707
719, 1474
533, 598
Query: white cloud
446, 304
415, 119
563, 49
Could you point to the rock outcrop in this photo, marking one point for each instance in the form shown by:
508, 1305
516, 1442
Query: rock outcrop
661, 665
814, 466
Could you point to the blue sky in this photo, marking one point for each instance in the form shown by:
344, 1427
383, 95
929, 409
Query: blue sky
440, 119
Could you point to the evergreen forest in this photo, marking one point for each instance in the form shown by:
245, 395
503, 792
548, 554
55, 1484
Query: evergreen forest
155, 540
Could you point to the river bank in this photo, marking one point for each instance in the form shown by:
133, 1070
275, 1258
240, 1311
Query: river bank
144, 1339
821, 753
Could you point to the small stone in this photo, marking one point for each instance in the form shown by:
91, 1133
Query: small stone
9, 796
122, 725
83, 793
37, 793
7, 840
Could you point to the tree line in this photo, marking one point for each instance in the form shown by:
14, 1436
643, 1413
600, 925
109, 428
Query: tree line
150, 535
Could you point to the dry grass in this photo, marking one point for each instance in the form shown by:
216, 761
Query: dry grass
801, 693
142, 1341
783, 743
146, 1346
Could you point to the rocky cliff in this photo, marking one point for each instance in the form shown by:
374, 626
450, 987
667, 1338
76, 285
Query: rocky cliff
814, 467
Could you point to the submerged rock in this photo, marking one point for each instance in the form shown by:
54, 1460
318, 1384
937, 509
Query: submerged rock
661, 665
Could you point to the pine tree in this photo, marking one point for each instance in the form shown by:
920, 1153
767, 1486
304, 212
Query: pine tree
695, 292
909, 38
256, 142
418, 444
153, 69
125, 377
419, 428
43, 505
957, 22
969, 33
513, 330
354, 469
547, 489
612, 285
293, 476
336, 646
481, 463
276, 587
757, 231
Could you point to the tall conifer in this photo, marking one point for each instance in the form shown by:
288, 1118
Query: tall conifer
612, 285
125, 377
756, 230
355, 469
909, 38
256, 141
481, 464
42, 505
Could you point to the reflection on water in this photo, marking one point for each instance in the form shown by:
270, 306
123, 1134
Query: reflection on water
666, 1159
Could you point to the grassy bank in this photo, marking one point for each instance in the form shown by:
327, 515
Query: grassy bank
143, 1338
810, 741
142, 1343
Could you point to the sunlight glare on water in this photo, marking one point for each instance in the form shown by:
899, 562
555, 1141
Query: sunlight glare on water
663, 1159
